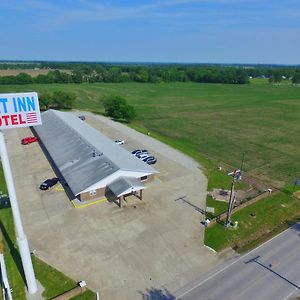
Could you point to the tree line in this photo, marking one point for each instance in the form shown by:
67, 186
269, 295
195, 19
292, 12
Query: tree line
143, 74
152, 73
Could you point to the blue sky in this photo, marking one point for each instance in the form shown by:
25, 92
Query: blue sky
204, 31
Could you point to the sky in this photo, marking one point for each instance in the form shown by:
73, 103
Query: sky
183, 31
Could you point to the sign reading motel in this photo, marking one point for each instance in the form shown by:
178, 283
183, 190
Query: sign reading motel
19, 110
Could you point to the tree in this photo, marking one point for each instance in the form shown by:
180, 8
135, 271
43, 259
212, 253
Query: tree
63, 99
57, 100
276, 77
117, 108
296, 78
23, 78
45, 100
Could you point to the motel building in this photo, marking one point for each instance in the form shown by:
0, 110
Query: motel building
90, 165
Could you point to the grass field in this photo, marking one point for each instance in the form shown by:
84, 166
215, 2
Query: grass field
214, 121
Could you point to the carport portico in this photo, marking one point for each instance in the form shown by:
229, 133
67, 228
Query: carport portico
126, 186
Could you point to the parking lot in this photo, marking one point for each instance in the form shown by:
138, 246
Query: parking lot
118, 252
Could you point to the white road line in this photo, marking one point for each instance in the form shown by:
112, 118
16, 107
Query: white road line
291, 293
218, 272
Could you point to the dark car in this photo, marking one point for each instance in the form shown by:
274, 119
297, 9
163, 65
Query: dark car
82, 118
139, 151
150, 160
28, 140
49, 183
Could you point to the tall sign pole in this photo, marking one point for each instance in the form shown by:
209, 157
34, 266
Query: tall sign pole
18, 110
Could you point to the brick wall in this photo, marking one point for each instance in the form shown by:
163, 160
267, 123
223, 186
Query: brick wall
100, 193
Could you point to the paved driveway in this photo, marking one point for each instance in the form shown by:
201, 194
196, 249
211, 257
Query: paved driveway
119, 252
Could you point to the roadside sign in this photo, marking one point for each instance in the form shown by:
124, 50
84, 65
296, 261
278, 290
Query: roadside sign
19, 110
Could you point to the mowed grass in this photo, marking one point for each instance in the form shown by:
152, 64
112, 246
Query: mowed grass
256, 223
211, 122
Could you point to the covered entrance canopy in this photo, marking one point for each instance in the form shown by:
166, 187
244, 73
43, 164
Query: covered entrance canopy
126, 185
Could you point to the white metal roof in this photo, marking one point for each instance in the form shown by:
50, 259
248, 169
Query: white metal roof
125, 185
83, 155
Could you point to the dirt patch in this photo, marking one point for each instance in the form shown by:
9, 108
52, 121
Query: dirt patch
297, 194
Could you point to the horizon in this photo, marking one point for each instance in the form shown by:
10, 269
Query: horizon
8, 61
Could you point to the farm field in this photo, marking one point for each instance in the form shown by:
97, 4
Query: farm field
33, 73
211, 122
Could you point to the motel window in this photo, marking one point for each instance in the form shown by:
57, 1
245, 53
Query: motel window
144, 178
93, 193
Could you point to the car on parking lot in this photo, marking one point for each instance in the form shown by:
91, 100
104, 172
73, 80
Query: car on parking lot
150, 160
139, 151
28, 140
143, 155
82, 118
48, 183
119, 142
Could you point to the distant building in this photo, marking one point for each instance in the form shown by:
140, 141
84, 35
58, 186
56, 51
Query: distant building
89, 163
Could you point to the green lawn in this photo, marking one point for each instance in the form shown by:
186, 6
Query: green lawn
52, 280
55, 282
220, 206
254, 222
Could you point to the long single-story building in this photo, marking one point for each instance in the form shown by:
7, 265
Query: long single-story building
91, 164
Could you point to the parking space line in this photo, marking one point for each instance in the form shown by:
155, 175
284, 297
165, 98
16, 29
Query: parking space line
88, 204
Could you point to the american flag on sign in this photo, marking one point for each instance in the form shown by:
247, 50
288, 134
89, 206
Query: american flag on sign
31, 117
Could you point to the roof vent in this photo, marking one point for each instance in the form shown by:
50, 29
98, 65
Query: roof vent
95, 153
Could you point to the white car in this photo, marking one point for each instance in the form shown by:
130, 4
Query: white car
143, 155
119, 142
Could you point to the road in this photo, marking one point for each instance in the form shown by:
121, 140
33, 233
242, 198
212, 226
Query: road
271, 271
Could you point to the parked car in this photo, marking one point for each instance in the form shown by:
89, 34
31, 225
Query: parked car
28, 140
49, 183
81, 118
138, 151
135, 151
150, 160
119, 142
143, 155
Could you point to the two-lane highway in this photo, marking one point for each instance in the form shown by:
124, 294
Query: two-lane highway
271, 271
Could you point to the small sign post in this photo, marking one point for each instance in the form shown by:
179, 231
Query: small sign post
18, 110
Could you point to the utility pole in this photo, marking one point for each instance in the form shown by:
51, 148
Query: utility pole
231, 201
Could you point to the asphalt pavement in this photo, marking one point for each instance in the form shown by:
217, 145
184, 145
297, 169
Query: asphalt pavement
271, 271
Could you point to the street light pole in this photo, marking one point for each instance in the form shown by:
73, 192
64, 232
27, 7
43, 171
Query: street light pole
21, 237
